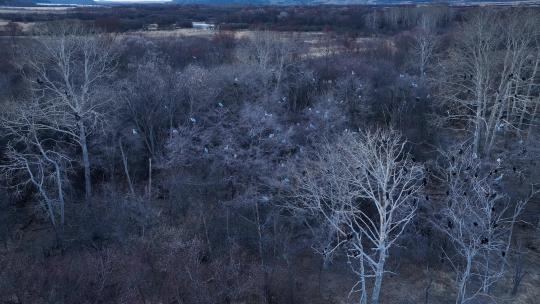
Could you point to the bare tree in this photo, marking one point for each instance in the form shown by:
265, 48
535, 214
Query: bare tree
35, 157
423, 48
488, 83
69, 68
477, 219
151, 103
270, 52
366, 188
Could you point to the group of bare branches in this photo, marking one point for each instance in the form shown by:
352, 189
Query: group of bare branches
365, 189
488, 81
67, 70
361, 191
478, 219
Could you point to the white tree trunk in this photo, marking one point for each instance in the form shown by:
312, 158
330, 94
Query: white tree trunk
86, 160
463, 282
378, 277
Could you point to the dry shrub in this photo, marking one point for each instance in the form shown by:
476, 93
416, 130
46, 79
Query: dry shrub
162, 267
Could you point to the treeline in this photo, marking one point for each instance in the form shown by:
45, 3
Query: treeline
359, 19
260, 170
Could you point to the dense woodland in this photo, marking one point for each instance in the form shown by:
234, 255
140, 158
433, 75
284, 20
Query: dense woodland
327, 155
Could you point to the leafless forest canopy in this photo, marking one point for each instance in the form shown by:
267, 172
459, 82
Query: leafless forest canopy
317, 154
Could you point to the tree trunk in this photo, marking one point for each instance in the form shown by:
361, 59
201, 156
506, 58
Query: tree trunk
378, 277
261, 254
86, 161
363, 294
126, 170
519, 274
60, 193
477, 134
533, 115
149, 193
463, 282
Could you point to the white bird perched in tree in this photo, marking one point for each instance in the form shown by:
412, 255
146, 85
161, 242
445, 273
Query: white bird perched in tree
220, 104
193, 120
134, 132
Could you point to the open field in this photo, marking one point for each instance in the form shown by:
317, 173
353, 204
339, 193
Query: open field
35, 10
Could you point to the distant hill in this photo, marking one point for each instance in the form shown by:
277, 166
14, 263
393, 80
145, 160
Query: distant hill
269, 2
80, 2
34, 2
367, 2
17, 2
372, 2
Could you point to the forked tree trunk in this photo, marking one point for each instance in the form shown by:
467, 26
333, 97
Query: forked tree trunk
378, 277
463, 282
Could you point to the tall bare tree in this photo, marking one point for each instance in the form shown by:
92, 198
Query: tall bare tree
365, 187
488, 83
271, 53
69, 69
151, 103
35, 157
423, 48
477, 218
